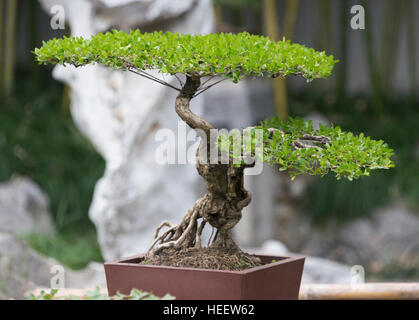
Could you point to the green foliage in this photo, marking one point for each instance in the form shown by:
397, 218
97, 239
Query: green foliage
395, 272
43, 295
229, 55
348, 155
74, 250
295, 146
96, 294
397, 125
38, 139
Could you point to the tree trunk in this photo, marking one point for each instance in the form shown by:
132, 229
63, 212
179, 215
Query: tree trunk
222, 205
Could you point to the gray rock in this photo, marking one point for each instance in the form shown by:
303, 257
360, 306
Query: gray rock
389, 237
22, 269
316, 270
24, 207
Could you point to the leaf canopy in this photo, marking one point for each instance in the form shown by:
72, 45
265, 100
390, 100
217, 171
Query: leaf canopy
295, 146
229, 55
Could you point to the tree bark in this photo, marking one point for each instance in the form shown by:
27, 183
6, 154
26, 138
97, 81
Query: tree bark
222, 205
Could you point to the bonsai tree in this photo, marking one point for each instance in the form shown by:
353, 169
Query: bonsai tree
198, 63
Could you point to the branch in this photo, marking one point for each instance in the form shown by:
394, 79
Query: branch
320, 139
203, 89
182, 106
179, 80
206, 81
153, 78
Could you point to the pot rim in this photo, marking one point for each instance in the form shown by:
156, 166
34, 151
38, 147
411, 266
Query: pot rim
281, 260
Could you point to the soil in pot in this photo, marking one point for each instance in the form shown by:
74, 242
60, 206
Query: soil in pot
204, 258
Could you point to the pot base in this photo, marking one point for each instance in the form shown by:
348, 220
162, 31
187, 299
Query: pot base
272, 281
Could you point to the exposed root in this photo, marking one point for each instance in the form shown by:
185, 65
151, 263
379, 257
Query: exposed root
221, 208
183, 235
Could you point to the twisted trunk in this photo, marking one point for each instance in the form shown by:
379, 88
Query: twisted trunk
222, 205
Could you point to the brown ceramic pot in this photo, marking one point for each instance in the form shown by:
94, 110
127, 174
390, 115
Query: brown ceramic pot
271, 281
